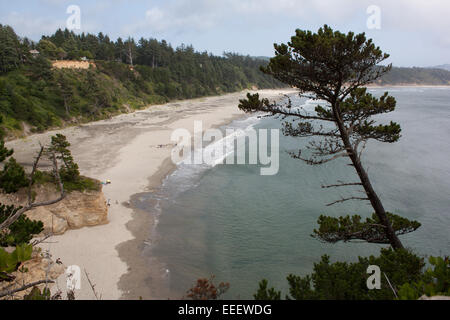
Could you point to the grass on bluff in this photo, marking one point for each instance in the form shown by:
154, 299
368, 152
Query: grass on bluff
82, 184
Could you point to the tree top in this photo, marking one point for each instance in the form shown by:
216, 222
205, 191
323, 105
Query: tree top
328, 63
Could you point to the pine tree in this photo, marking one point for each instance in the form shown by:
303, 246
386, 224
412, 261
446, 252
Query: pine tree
11, 50
4, 151
334, 67
21, 231
60, 146
13, 177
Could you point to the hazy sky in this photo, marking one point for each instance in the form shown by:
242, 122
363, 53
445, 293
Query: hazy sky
414, 32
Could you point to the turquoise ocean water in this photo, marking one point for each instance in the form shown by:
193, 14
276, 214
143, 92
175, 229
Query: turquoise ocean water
230, 221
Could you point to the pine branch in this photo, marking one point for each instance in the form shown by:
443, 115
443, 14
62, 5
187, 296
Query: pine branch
353, 229
253, 104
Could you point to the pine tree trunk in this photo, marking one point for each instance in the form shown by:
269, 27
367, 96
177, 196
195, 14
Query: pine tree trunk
130, 55
66, 107
371, 194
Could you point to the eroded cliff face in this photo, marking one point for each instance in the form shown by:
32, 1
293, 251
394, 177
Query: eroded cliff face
75, 211
40, 267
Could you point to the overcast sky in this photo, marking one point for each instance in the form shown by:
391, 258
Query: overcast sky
414, 32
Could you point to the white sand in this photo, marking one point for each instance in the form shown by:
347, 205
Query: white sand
124, 150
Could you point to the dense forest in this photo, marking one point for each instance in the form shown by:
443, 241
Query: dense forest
125, 75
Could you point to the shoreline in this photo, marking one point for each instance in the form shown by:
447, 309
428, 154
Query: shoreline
124, 150
141, 282
411, 85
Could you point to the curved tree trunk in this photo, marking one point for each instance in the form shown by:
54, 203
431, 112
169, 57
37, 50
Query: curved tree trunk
371, 194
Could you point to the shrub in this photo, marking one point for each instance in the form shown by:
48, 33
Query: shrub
21, 231
13, 177
82, 184
347, 281
434, 282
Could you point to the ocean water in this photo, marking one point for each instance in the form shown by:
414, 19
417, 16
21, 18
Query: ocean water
231, 222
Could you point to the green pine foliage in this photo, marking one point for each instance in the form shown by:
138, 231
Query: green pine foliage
434, 282
265, 294
60, 146
348, 281
21, 231
13, 177
13, 51
353, 228
68, 171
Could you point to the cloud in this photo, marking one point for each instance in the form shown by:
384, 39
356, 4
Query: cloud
44, 17
242, 24
201, 15
32, 26
177, 17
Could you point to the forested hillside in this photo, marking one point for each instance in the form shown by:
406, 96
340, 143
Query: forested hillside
126, 75
421, 76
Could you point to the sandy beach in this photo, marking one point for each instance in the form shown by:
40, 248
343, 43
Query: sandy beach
125, 150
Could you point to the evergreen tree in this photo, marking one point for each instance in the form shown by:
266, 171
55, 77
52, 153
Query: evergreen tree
66, 92
4, 151
49, 49
334, 67
60, 146
12, 52
348, 281
13, 177
21, 231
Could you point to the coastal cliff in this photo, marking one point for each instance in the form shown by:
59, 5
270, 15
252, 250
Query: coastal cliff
40, 267
75, 211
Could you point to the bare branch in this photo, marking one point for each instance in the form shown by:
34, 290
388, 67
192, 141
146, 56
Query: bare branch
342, 185
92, 286
362, 149
313, 161
36, 242
347, 199
35, 164
23, 288
328, 147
